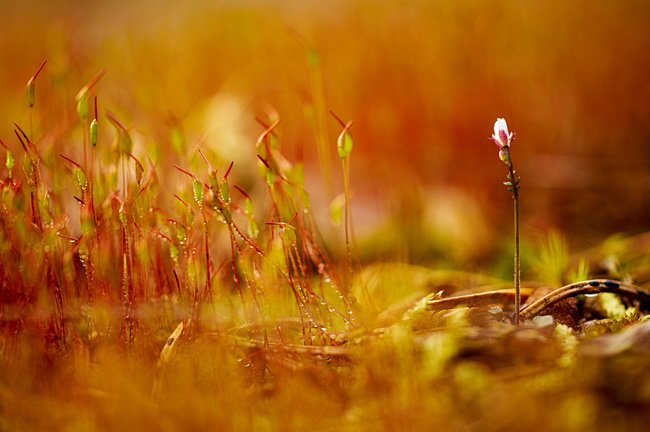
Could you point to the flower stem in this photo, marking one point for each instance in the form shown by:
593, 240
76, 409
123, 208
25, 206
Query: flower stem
348, 212
517, 258
517, 270
503, 138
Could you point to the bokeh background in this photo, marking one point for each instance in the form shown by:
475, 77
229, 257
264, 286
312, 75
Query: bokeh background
422, 80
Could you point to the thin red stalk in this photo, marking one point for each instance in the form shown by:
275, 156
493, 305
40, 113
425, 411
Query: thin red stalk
38, 71
348, 214
246, 240
208, 277
93, 82
70, 160
28, 144
85, 145
128, 325
91, 180
31, 82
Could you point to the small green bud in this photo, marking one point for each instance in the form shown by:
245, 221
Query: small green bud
80, 177
270, 177
181, 233
248, 207
30, 92
253, 229
198, 191
82, 105
224, 192
503, 156
122, 217
214, 182
28, 168
30, 89
10, 160
93, 133
173, 251
344, 145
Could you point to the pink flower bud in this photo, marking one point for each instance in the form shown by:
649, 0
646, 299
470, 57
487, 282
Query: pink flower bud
501, 136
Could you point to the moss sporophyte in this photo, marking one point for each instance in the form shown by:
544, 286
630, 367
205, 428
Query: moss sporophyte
503, 139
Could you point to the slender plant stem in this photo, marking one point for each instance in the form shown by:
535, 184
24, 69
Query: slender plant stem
517, 259
348, 212
517, 269
84, 126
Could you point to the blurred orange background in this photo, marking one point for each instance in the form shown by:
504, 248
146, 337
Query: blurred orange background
423, 82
